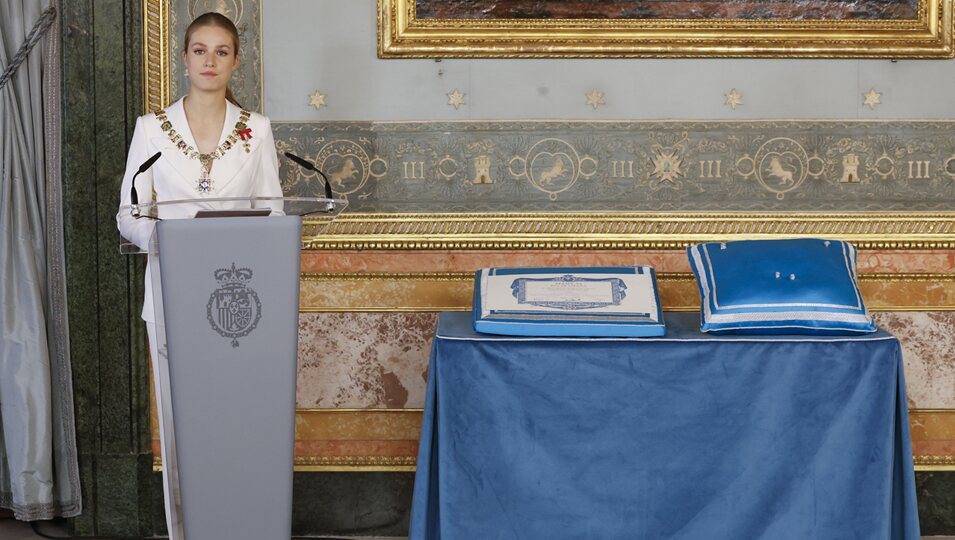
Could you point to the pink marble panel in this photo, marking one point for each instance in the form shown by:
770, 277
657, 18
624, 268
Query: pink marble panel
469, 261
380, 360
928, 351
915, 261
363, 360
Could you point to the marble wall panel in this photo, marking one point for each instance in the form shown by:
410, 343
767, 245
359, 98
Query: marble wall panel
352, 448
444, 292
363, 360
380, 360
469, 261
909, 294
884, 261
907, 261
453, 291
380, 424
928, 349
933, 433
326, 436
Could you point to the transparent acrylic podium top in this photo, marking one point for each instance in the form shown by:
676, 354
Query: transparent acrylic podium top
137, 215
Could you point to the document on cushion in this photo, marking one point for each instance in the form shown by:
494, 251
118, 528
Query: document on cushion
779, 287
568, 301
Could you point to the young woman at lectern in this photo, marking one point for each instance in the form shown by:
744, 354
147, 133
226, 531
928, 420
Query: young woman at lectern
210, 147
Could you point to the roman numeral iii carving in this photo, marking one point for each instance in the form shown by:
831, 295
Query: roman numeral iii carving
919, 169
622, 169
414, 170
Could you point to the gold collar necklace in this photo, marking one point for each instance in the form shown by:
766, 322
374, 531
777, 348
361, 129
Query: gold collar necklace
204, 183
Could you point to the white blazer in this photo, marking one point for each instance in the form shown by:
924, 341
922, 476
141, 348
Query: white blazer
174, 176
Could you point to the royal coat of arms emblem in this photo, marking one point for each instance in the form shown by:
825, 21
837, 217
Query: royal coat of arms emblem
234, 309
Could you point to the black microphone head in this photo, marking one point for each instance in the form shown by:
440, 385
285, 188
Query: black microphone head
149, 162
301, 161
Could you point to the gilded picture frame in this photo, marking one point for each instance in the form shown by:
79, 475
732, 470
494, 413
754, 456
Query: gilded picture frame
925, 33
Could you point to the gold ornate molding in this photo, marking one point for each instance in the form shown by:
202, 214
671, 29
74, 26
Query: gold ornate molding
402, 34
906, 277
155, 54
340, 463
355, 463
934, 463
594, 230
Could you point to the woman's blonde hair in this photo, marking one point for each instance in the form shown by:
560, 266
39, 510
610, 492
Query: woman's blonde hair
216, 19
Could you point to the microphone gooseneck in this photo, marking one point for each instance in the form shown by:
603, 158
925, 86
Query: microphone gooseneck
306, 164
301, 161
133, 196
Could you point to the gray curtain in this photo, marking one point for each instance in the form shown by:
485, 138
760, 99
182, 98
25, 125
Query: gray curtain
39, 477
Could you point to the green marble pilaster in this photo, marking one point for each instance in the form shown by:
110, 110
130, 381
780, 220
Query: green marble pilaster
101, 97
79, 196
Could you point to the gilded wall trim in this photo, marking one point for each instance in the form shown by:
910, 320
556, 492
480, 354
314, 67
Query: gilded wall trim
355, 463
339, 463
155, 54
934, 463
591, 230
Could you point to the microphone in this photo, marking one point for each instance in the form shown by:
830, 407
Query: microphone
306, 164
133, 196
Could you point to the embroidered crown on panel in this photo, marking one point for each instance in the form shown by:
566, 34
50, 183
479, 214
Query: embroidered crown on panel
233, 277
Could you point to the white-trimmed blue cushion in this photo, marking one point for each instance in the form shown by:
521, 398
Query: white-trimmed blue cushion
801, 286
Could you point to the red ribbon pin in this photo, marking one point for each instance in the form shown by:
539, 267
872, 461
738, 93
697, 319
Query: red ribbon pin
245, 134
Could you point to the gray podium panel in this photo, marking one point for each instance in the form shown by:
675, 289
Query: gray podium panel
230, 293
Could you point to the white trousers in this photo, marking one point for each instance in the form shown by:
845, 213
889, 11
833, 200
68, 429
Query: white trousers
167, 437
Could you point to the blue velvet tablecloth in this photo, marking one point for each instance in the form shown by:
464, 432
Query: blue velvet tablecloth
686, 436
